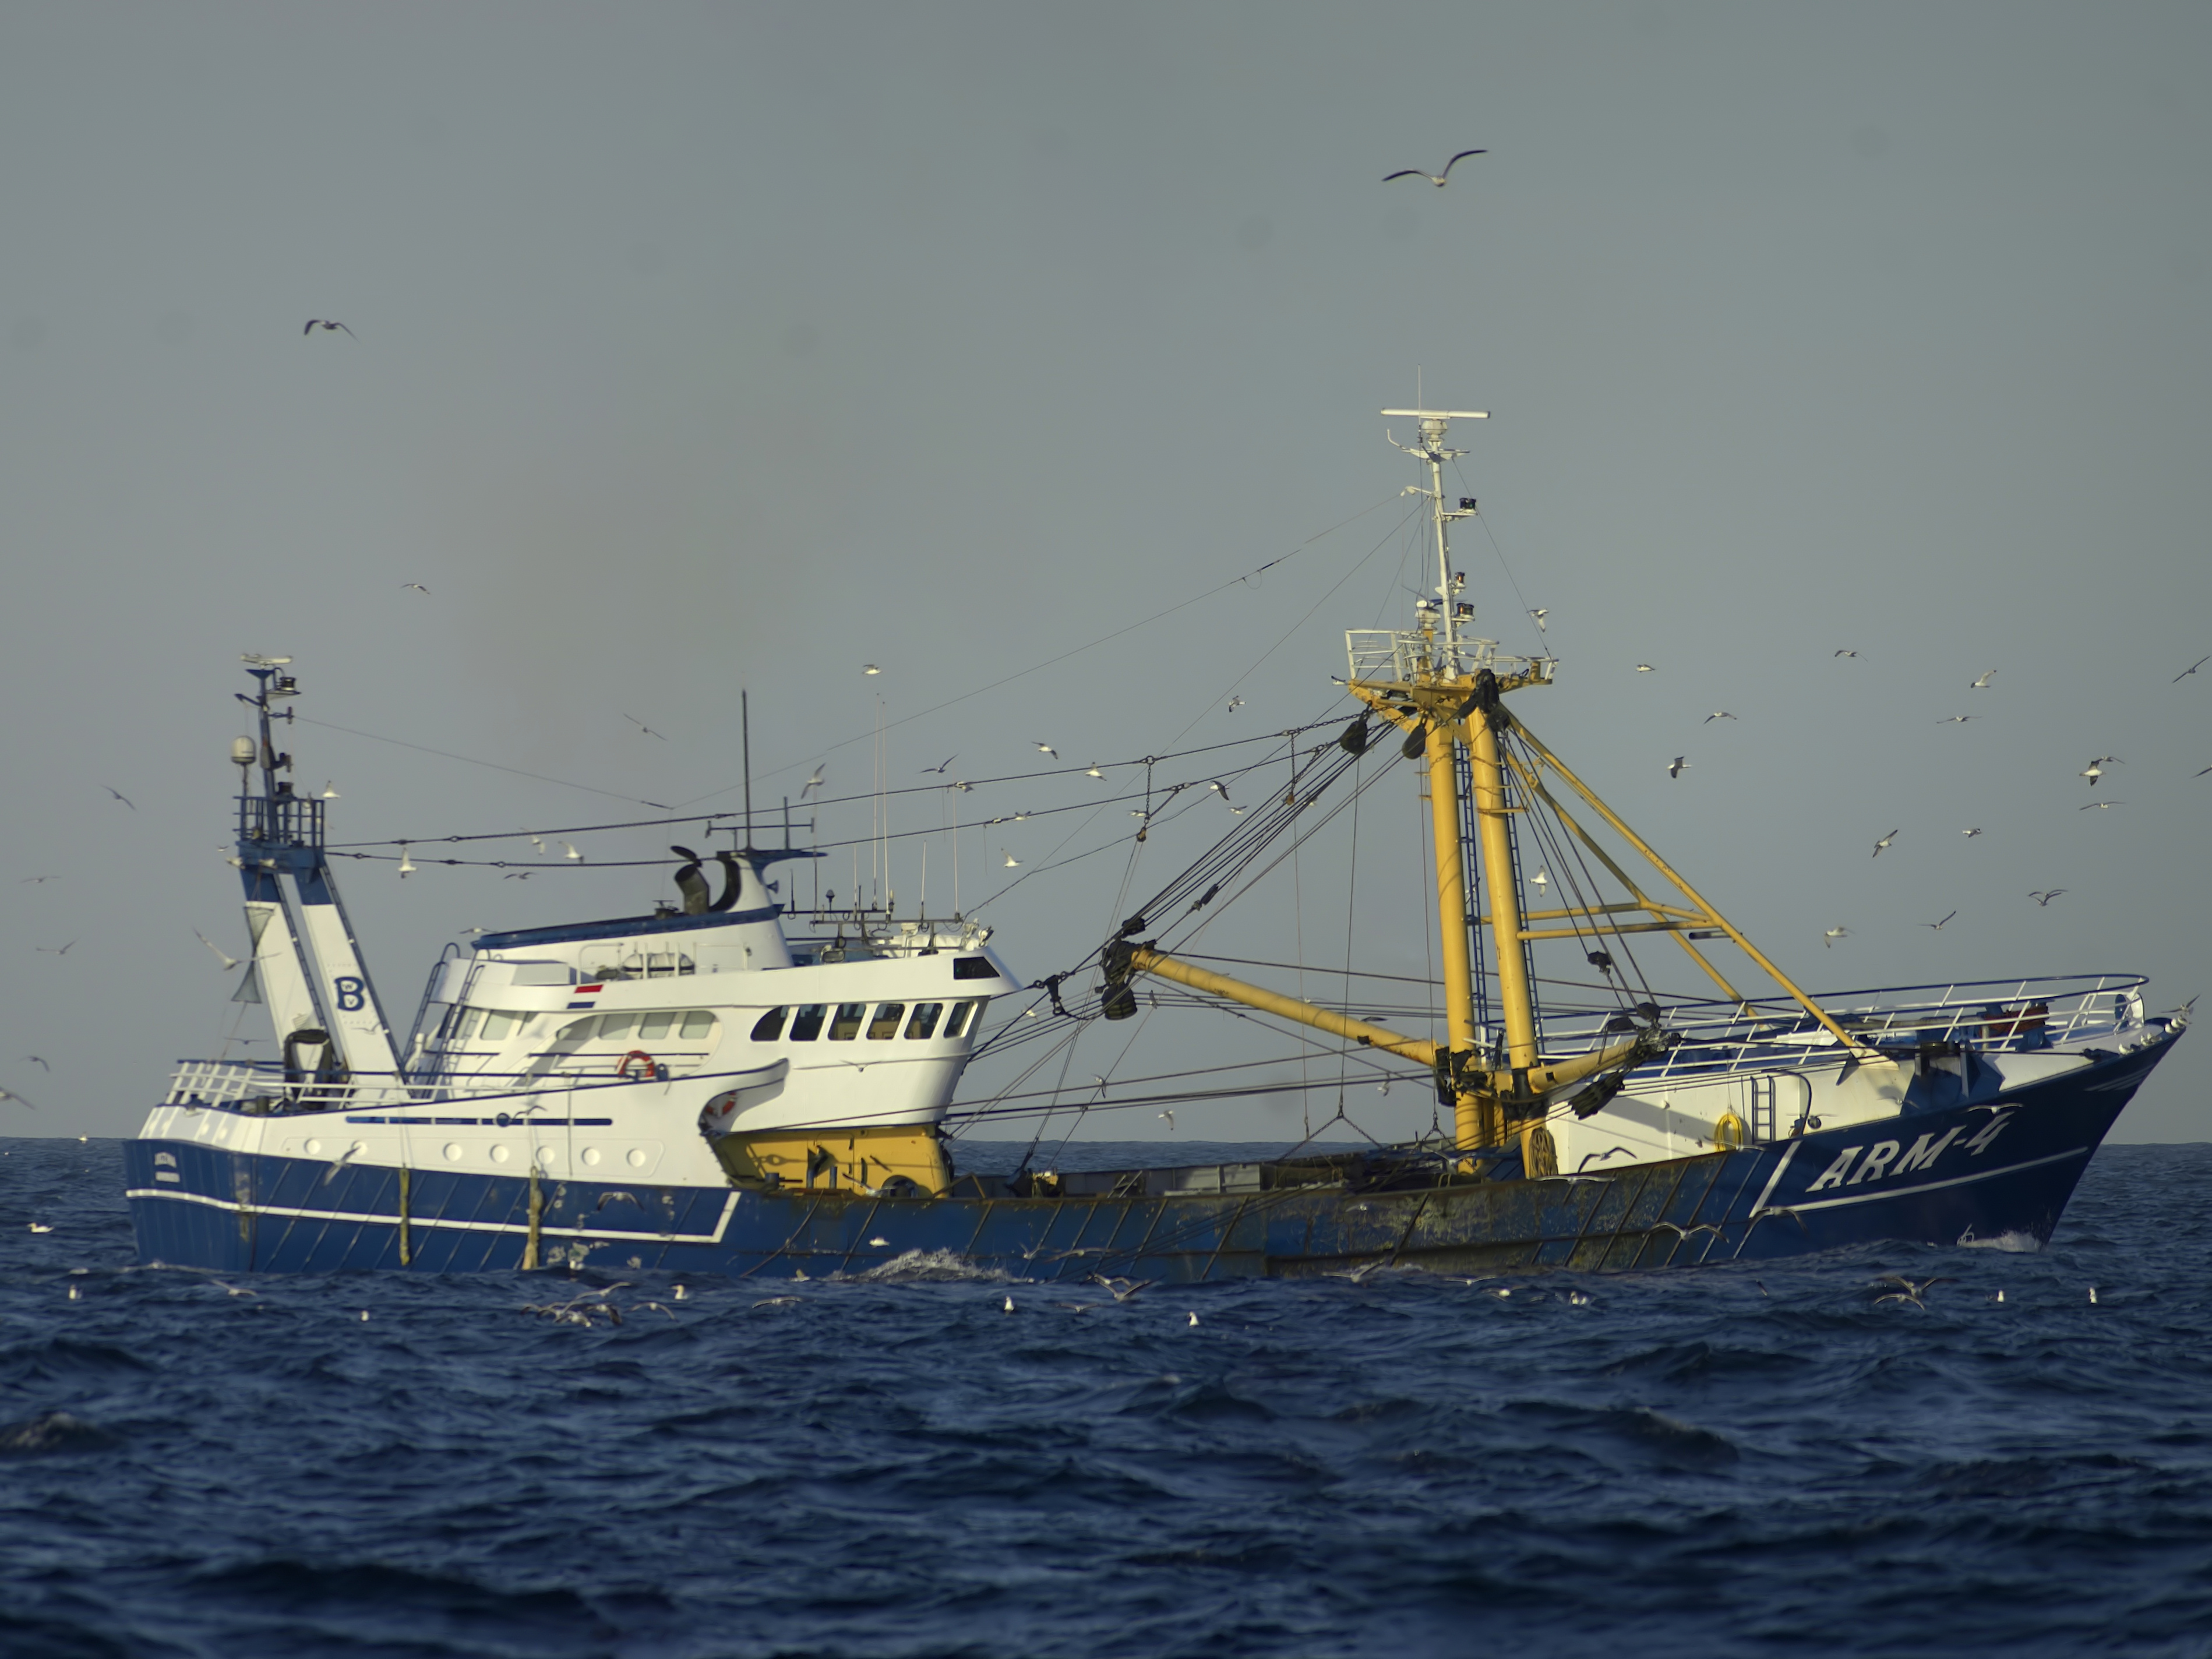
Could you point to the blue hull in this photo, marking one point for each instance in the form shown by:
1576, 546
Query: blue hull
2003, 1169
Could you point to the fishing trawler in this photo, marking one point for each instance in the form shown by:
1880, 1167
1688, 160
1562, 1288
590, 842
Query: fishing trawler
724, 1086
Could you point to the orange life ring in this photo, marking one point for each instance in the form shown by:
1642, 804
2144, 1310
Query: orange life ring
651, 1070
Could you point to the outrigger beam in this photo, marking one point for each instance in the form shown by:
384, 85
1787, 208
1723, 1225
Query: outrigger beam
1526, 1086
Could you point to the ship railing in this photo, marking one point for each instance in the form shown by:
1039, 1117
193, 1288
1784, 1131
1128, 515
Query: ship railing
262, 1086
1988, 1016
1397, 656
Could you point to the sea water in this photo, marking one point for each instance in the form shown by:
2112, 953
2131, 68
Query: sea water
1799, 1457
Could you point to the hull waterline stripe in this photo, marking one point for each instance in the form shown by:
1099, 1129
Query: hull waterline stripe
1933, 1186
722, 1223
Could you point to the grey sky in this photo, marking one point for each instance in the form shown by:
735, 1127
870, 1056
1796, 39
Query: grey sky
703, 347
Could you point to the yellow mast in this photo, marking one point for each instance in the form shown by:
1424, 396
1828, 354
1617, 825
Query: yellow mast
1442, 689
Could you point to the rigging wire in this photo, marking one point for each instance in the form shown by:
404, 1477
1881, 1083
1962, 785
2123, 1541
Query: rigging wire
1060, 657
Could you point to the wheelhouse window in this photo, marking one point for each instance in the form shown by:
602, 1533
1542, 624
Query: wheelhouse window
847, 1025
807, 1023
884, 1026
925, 1016
769, 1026
963, 1014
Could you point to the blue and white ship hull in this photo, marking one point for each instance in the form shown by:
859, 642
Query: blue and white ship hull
1996, 1171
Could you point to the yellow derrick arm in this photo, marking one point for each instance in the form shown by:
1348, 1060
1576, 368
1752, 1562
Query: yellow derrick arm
1535, 785
1688, 893
1542, 1079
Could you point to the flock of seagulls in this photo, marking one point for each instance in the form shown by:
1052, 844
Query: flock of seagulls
1982, 682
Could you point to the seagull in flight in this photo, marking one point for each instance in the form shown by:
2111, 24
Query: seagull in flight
227, 960
1677, 767
1938, 925
9, 1094
1911, 1290
568, 851
120, 796
1828, 939
37, 1060
1976, 830
1436, 178
869, 668
1220, 789
2098, 806
938, 769
1847, 653
1643, 668
1235, 703
2095, 770
1717, 714
814, 783
1883, 842
1167, 1118
1047, 749
1983, 684
327, 326
417, 586
643, 727
1957, 720
62, 952
1092, 771
1539, 612
1012, 863
33, 881
2191, 669
2042, 900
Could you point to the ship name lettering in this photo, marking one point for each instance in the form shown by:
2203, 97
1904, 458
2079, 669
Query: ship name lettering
1834, 1173
1990, 1131
1876, 1164
1921, 1156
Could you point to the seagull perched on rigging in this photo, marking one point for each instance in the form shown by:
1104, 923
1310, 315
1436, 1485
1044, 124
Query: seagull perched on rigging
1938, 925
2191, 669
1983, 684
1047, 749
2042, 900
1677, 767
1828, 939
1883, 842
1436, 178
1717, 714
327, 326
